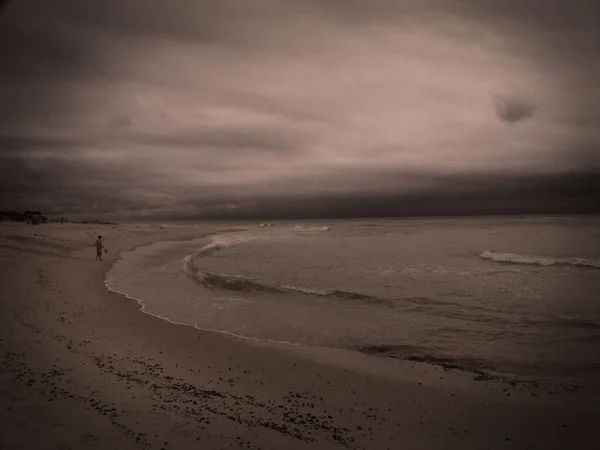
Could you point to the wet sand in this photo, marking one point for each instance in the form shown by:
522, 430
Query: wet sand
84, 368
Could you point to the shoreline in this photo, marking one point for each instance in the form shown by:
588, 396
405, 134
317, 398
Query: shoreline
85, 368
371, 356
363, 362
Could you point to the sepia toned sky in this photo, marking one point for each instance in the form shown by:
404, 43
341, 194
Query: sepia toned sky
250, 108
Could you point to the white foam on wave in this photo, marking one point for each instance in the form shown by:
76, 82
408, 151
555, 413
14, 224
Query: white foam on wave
243, 283
221, 242
218, 242
515, 258
305, 228
318, 292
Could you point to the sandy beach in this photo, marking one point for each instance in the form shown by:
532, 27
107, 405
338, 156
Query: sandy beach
84, 368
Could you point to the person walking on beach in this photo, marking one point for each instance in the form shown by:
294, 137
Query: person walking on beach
99, 246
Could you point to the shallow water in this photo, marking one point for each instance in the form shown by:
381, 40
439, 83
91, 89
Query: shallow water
510, 296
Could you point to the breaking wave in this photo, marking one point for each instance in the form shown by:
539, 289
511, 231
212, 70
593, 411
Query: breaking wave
241, 283
308, 228
514, 258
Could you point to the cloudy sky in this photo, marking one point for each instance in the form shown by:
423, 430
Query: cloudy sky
213, 108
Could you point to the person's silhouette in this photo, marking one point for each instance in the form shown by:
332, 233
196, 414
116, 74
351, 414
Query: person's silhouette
99, 246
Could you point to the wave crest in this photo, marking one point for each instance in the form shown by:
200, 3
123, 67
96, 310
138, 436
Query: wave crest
241, 283
514, 258
309, 228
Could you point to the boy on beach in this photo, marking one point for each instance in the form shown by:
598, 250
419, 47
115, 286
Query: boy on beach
99, 246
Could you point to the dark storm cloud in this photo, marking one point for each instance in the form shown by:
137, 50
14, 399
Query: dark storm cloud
342, 105
580, 15
38, 44
513, 109
37, 50
500, 194
79, 184
21, 145
197, 21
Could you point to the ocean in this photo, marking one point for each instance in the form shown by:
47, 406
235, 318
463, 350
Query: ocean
511, 297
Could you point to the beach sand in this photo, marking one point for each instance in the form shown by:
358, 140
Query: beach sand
84, 368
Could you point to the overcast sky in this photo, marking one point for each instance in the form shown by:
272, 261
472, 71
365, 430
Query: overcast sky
323, 107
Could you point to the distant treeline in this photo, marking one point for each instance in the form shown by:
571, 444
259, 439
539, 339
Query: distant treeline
31, 217
36, 218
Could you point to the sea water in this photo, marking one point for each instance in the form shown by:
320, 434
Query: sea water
511, 297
